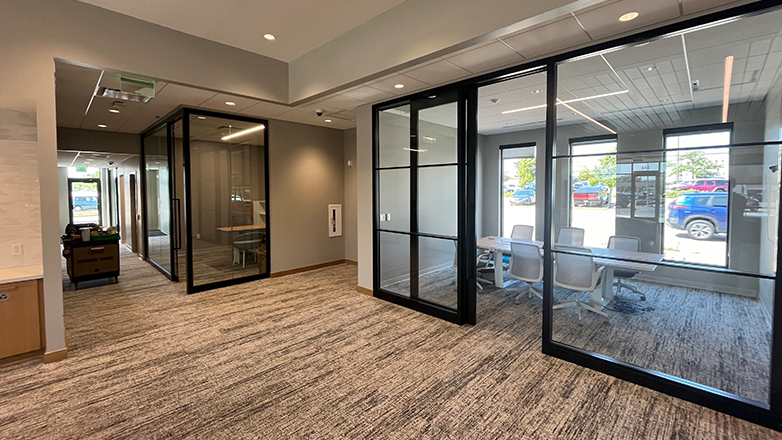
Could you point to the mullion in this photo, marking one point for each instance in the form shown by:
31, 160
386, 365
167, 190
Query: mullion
414, 251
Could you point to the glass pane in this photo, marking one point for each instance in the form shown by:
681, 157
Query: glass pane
394, 203
437, 271
683, 194
394, 131
700, 326
158, 201
437, 200
85, 200
510, 113
437, 133
229, 232
395, 263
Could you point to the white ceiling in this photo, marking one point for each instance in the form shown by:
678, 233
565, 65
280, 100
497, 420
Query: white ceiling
300, 26
94, 159
76, 84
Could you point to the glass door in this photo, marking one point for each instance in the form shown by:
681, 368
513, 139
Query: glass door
85, 201
161, 210
421, 257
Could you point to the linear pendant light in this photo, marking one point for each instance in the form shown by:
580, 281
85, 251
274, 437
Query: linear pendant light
587, 117
567, 101
242, 133
726, 88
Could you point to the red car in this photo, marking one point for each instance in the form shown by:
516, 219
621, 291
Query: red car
706, 185
591, 196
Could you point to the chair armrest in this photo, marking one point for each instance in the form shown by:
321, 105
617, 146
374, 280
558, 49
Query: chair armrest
596, 277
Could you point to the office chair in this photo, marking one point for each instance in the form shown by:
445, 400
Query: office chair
526, 264
577, 272
625, 243
569, 236
247, 243
478, 279
522, 232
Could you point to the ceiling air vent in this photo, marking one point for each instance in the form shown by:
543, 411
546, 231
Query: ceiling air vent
131, 89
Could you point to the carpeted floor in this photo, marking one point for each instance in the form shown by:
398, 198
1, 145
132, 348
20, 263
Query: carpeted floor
719, 340
306, 356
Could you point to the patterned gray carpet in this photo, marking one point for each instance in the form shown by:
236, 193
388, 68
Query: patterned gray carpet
306, 356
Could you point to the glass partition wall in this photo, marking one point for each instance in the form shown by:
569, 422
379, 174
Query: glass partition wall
657, 204
215, 190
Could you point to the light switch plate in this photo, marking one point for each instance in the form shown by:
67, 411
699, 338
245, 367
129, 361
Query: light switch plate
17, 250
388, 217
382, 217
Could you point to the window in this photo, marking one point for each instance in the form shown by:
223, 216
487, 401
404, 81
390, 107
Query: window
518, 186
593, 177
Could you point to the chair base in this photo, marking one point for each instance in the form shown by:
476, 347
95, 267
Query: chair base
580, 305
619, 284
529, 290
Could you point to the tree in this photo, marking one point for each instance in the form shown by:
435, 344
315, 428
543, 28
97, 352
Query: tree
603, 173
525, 170
696, 163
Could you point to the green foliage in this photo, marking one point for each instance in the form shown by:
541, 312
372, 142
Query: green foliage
604, 172
695, 163
85, 186
672, 194
525, 170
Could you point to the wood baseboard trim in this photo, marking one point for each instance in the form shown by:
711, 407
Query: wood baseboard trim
21, 357
351, 262
55, 356
365, 291
283, 273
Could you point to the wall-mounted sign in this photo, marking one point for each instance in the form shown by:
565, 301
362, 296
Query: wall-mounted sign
335, 220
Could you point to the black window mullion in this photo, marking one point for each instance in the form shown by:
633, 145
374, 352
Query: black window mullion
414, 273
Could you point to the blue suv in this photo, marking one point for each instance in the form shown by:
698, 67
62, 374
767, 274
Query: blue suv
701, 214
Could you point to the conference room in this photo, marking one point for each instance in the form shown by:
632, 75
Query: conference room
663, 175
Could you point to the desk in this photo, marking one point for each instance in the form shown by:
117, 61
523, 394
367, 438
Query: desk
243, 228
645, 262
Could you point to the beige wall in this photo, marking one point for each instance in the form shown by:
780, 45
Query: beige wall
364, 194
349, 209
305, 176
34, 33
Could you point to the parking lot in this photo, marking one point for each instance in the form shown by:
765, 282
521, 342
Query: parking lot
600, 223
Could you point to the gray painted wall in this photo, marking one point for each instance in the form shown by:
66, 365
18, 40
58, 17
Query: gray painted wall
349, 209
76, 139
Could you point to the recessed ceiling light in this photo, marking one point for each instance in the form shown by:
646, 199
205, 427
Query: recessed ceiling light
629, 16
665, 100
328, 120
432, 96
113, 110
535, 92
399, 86
230, 103
270, 37
88, 160
650, 68
102, 125
641, 44
202, 117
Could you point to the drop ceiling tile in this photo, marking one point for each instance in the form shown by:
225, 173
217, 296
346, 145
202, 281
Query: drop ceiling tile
387, 84
175, 95
488, 57
266, 110
691, 6
367, 94
604, 21
218, 102
549, 38
438, 72
341, 102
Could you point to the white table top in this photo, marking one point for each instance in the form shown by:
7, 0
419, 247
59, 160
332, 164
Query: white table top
17, 274
605, 257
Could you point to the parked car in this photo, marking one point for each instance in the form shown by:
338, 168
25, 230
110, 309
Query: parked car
702, 215
511, 187
85, 203
705, 185
523, 197
591, 196
578, 185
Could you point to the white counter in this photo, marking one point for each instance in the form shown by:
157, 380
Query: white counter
17, 274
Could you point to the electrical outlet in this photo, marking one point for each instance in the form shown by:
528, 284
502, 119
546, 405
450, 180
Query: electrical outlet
17, 250
382, 217
388, 216
198, 236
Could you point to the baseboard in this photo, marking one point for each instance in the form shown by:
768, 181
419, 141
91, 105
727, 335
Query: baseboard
283, 273
21, 357
351, 262
55, 356
365, 291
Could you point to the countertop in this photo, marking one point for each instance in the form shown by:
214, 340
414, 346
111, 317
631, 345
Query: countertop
17, 274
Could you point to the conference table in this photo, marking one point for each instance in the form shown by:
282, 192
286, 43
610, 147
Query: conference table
610, 259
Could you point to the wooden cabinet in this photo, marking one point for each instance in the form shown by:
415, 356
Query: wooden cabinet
21, 318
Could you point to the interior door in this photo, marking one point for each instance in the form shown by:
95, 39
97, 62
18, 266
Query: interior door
161, 209
421, 252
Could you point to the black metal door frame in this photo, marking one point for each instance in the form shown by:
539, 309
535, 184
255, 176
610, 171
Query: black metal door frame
466, 99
